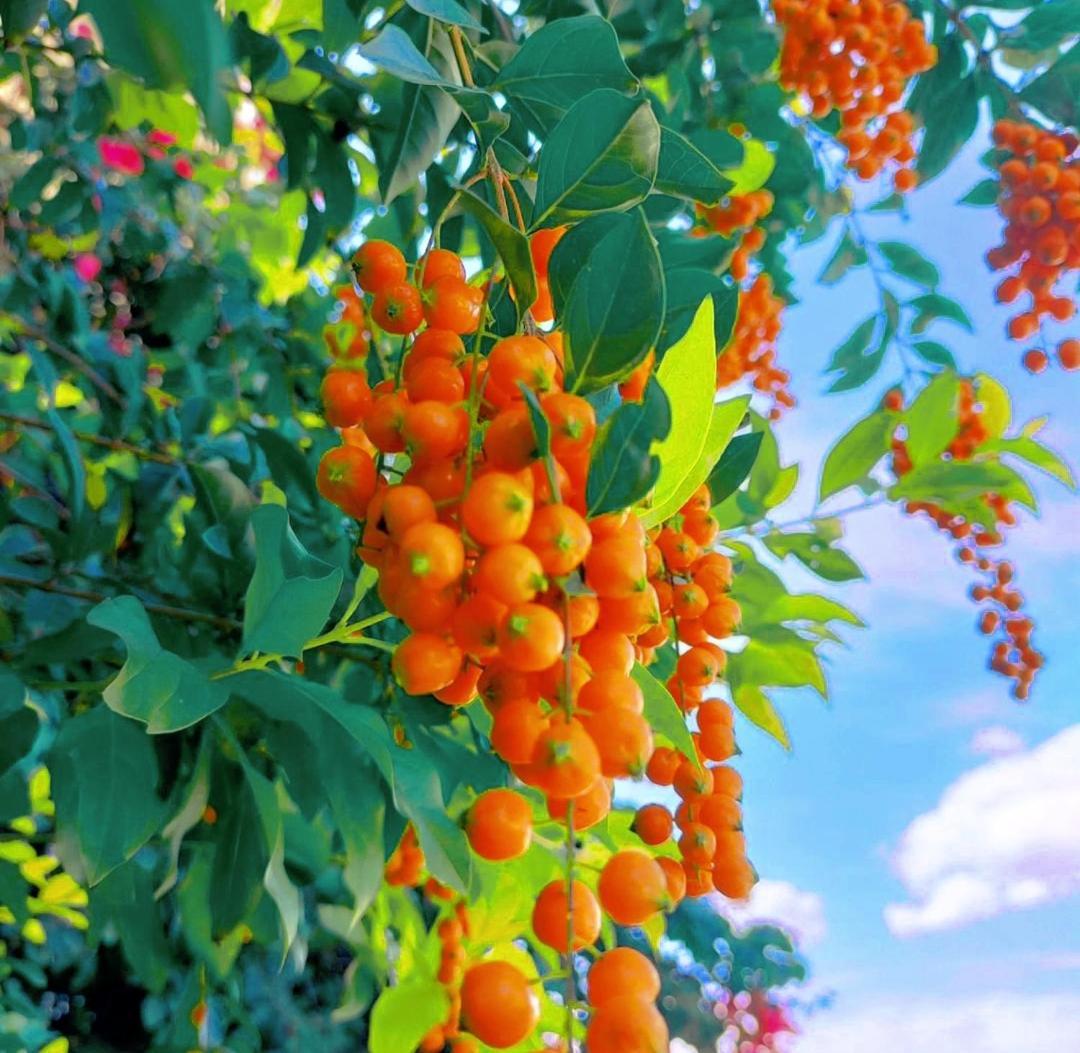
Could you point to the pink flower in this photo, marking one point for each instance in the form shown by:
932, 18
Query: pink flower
160, 138
118, 344
183, 168
87, 266
115, 153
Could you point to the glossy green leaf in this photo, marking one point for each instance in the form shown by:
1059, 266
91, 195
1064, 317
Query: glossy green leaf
683, 170
949, 483
393, 50
985, 192
757, 707
662, 711
403, 1014
125, 900
291, 592
154, 686
931, 420
1036, 454
623, 469
734, 466
768, 663
608, 290
449, 11
602, 155
560, 63
100, 823
511, 245
855, 453
815, 553
686, 288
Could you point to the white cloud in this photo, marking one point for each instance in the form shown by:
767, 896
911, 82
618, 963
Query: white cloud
996, 741
992, 1023
998, 841
799, 913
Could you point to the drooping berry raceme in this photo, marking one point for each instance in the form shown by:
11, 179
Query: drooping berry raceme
1012, 654
1039, 198
857, 56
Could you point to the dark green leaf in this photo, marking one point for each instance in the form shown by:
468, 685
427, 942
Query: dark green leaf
601, 155
934, 353
104, 779
511, 245
394, 51
909, 263
1057, 91
18, 722
1051, 22
155, 686
608, 290
291, 592
623, 470
933, 306
734, 466
449, 11
18, 17
984, 192
849, 254
685, 171
559, 64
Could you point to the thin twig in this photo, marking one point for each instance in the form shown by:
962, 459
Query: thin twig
117, 445
73, 360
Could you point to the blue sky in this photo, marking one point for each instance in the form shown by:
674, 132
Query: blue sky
912, 693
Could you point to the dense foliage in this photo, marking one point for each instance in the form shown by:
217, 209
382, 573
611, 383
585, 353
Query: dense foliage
237, 807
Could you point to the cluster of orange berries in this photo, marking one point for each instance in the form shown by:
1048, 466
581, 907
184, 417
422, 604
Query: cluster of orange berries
1012, 655
857, 56
751, 351
512, 595
1040, 201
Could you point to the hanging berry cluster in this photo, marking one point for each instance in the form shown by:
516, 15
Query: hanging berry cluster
751, 351
511, 594
857, 56
1012, 655
1039, 198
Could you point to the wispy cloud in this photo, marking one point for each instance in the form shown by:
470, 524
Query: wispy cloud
996, 740
799, 913
996, 842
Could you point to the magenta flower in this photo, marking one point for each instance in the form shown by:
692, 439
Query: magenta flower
115, 153
183, 168
87, 266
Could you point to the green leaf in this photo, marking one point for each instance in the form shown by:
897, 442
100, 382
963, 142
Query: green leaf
996, 405
104, 780
608, 290
172, 45
952, 124
241, 855
753, 173
794, 607
1057, 91
394, 51
291, 592
125, 900
511, 245
1051, 22
422, 123
448, 11
950, 483
848, 255
757, 707
734, 466
559, 64
856, 453
985, 192
404, 1014
815, 553
154, 686
602, 155
725, 419
18, 722
341, 25
933, 306
622, 470
765, 663
685, 288
856, 367
1035, 454
662, 711
934, 353
685, 171
931, 419
909, 263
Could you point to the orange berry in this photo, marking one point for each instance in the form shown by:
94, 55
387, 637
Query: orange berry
440, 263
606, 651
397, 308
653, 824
403, 507
346, 397
497, 509
378, 265
622, 971
553, 916
432, 554
452, 303
424, 663
623, 739
632, 887
524, 360
627, 1024
560, 537
530, 637
498, 1005
516, 730
347, 478
1069, 353
510, 573
499, 825
565, 760
675, 878
590, 808
608, 690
